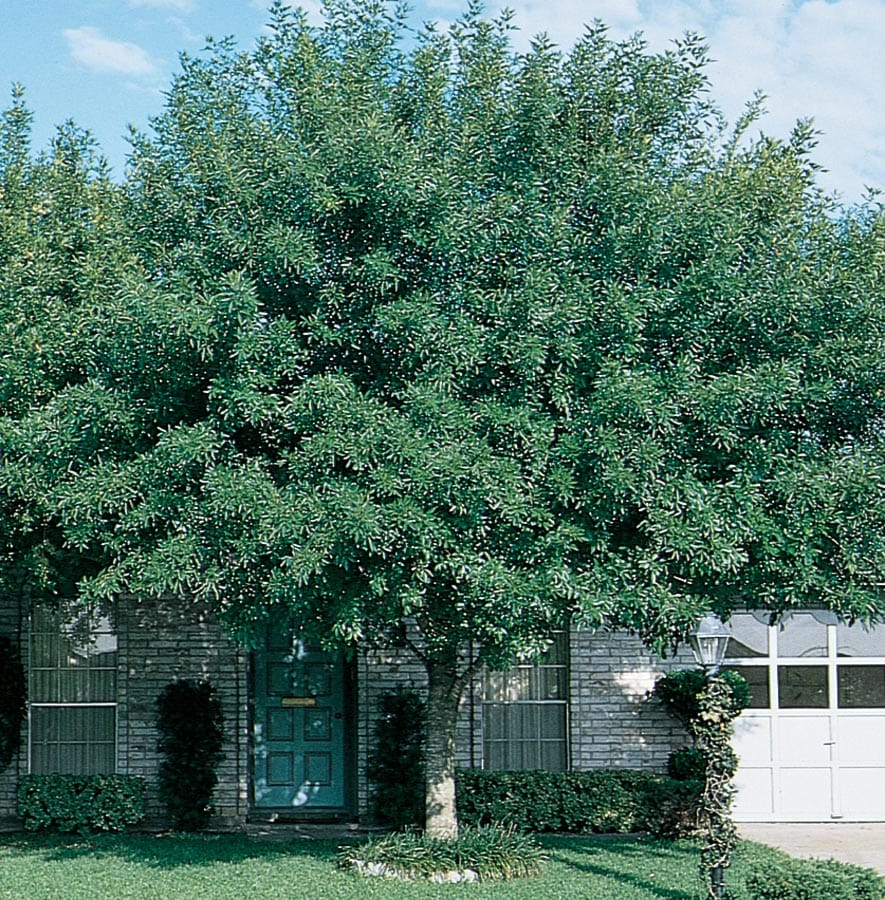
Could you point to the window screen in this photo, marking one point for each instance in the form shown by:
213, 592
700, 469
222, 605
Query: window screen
73, 688
525, 713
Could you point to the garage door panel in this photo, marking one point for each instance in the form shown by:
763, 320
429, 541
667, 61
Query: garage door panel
753, 739
755, 794
862, 740
804, 794
862, 791
804, 739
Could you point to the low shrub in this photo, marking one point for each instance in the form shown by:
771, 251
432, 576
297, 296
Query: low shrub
812, 879
191, 730
80, 803
477, 854
594, 801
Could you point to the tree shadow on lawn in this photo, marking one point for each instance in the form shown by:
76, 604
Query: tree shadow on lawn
169, 850
637, 862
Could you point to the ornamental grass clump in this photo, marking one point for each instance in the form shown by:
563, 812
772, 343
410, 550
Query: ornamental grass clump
477, 854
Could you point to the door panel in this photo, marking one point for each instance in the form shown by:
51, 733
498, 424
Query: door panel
298, 728
805, 794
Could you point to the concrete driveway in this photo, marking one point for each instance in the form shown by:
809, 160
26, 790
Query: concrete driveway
859, 843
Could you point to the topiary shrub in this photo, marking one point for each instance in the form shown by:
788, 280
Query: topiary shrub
687, 764
812, 879
396, 765
680, 692
12, 701
80, 803
191, 730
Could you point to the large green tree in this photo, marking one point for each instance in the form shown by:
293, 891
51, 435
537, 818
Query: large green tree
429, 343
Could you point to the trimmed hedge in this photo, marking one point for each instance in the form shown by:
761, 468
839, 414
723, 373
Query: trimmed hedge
396, 764
590, 802
812, 879
80, 803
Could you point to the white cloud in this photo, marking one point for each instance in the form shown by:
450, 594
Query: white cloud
183, 6
91, 48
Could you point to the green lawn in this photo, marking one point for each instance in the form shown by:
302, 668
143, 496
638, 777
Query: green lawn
233, 866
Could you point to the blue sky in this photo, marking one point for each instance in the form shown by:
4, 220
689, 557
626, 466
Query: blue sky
106, 63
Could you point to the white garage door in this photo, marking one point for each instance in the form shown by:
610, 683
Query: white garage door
812, 746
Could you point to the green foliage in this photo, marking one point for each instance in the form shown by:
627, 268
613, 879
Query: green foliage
812, 879
12, 700
681, 692
191, 728
80, 803
687, 764
395, 768
477, 854
594, 801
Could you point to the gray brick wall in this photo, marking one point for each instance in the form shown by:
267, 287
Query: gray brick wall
612, 719
159, 642
167, 641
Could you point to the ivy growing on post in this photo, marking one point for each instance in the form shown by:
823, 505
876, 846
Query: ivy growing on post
712, 730
708, 705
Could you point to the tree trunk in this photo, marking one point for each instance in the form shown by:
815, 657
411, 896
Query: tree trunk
443, 698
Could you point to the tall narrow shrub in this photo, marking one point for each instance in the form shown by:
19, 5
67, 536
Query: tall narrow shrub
396, 764
191, 729
12, 700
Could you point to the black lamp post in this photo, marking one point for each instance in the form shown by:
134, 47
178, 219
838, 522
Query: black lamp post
709, 642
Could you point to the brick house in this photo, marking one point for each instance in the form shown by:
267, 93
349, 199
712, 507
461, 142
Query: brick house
299, 723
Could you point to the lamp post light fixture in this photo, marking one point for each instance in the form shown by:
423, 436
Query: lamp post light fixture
709, 641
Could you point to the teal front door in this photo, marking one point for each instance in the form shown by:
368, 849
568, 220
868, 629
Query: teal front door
299, 725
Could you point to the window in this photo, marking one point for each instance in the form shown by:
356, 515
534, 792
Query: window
861, 687
803, 687
73, 689
525, 713
757, 680
809, 661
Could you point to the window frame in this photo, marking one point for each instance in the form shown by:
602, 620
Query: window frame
827, 657
61, 623
536, 671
